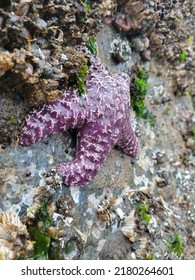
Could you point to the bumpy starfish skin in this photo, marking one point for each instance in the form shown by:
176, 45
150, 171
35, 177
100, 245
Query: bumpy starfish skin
102, 121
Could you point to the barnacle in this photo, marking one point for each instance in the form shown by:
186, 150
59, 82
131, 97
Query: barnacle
6, 62
38, 62
14, 242
142, 18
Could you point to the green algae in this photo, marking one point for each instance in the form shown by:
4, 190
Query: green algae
175, 245
81, 76
138, 95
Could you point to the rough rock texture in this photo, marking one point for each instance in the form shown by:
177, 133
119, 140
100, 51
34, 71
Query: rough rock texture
38, 54
150, 200
116, 247
11, 114
37, 45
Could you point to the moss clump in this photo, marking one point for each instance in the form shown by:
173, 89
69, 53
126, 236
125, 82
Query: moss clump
183, 56
42, 244
44, 215
12, 118
193, 133
150, 257
190, 39
140, 83
138, 93
143, 211
87, 6
91, 45
151, 119
81, 75
69, 247
190, 93
39, 232
175, 245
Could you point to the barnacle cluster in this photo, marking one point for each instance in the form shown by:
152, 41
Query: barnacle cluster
38, 40
39, 57
14, 238
11, 114
141, 15
168, 28
49, 221
134, 218
107, 7
172, 42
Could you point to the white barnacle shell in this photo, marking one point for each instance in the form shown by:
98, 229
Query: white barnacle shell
12, 223
128, 228
120, 213
75, 192
11, 230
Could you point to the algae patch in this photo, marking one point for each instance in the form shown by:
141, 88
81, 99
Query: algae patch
175, 245
138, 94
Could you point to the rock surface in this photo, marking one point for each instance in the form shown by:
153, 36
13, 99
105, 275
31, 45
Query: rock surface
145, 202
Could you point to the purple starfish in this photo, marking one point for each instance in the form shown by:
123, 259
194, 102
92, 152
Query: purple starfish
102, 121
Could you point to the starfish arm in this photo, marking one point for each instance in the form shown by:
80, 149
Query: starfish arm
62, 114
128, 141
94, 142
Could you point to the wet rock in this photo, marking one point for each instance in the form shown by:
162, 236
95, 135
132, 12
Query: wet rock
159, 156
66, 206
70, 246
146, 55
161, 182
11, 115
120, 50
142, 17
116, 247
190, 143
140, 44
33, 33
159, 96
170, 43
87, 219
164, 176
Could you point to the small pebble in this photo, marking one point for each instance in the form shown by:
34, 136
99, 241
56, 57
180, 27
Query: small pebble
190, 143
146, 55
41, 23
